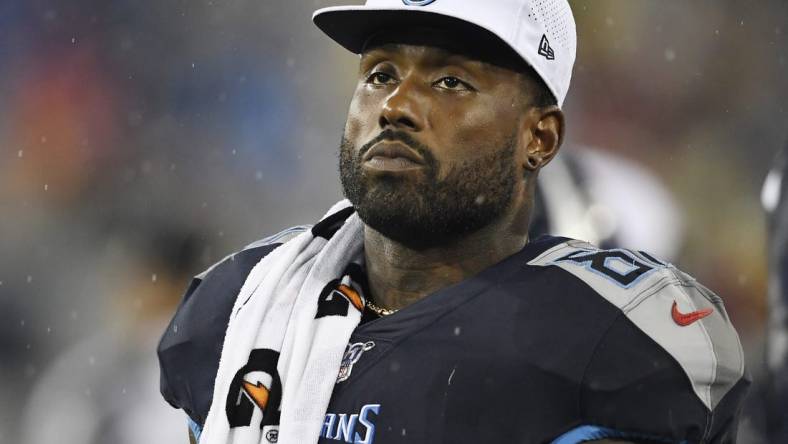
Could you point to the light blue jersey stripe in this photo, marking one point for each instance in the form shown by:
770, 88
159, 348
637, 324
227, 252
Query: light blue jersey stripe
587, 433
196, 430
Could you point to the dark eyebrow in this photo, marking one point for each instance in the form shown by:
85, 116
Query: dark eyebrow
372, 58
443, 57
385, 51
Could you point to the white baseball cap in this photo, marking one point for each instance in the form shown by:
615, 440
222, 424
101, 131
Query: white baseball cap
542, 32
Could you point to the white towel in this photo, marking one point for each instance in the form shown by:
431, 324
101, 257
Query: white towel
276, 311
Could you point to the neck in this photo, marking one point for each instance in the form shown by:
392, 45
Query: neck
399, 275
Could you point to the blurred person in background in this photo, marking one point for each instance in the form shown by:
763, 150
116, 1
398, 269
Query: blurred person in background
609, 201
775, 201
104, 386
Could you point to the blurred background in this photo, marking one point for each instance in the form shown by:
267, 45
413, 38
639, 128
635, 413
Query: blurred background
140, 142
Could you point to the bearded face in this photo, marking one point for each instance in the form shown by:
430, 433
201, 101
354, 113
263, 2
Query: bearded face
438, 142
433, 204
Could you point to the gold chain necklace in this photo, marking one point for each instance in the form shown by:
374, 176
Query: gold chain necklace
380, 311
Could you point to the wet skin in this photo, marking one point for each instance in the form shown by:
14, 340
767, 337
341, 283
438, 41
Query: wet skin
453, 103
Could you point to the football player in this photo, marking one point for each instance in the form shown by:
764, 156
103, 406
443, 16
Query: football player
473, 332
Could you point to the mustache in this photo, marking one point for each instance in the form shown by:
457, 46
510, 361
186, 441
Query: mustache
398, 136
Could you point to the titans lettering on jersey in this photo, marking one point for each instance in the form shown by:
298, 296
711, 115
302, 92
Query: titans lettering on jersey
560, 343
356, 428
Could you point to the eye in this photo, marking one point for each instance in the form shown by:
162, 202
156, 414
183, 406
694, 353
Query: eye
453, 84
379, 78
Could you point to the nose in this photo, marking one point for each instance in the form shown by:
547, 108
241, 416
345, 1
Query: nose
404, 108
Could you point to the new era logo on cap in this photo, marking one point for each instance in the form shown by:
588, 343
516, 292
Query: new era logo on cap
542, 32
545, 49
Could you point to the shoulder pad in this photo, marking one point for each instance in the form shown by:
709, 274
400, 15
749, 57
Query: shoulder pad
277, 239
685, 318
190, 348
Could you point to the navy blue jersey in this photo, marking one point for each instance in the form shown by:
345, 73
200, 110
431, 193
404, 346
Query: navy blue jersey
559, 343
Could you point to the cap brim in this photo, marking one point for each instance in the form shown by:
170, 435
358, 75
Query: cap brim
352, 26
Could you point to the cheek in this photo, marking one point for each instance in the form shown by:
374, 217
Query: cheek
353, 124
481, 128
361, 117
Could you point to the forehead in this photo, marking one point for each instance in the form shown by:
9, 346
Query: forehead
424, 55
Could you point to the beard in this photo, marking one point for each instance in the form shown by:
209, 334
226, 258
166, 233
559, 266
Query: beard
430, 211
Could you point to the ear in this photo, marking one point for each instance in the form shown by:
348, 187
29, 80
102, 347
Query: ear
546, 129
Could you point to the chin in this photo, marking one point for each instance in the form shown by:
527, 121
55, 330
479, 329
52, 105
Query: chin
418, 222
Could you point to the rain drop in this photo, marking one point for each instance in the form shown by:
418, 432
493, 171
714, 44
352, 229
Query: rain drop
153, 277
670, 54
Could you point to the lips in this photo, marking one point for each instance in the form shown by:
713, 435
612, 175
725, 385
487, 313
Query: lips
391, 157
393, 150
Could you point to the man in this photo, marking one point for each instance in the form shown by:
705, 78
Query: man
455, 326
